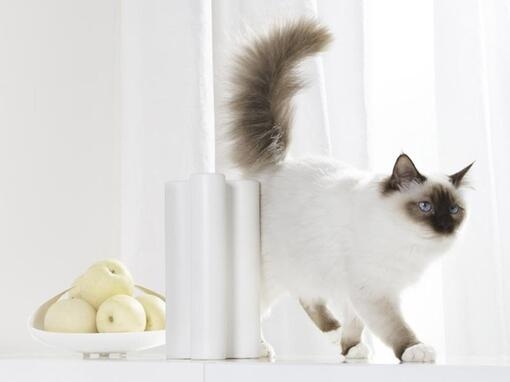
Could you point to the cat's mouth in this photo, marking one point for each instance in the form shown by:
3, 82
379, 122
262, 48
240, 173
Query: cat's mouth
441, 235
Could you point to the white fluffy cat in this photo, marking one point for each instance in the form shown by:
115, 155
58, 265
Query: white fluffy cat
343, 241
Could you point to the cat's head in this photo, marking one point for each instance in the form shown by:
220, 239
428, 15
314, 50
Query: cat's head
434, 203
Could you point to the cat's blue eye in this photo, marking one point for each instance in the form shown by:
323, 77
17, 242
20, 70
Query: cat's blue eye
454, 209
425, 206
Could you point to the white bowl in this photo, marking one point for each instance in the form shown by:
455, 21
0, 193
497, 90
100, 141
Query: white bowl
92, 343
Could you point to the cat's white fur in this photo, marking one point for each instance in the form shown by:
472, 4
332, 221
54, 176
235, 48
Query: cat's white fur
328, 231
329, 234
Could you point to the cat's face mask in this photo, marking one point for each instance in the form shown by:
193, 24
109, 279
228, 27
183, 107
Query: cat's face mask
433, 202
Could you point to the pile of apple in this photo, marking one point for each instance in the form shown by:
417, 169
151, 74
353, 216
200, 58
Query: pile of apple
102, 300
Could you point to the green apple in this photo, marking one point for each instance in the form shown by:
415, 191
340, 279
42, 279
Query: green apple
70, 316
103, 280
121, 313
75, 290
154, 310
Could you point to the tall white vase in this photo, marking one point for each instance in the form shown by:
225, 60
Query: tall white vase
212, 268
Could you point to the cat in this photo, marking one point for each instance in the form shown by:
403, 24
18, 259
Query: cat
343, 241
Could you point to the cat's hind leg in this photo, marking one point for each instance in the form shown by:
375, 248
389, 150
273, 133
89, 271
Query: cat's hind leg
348, 336
268, 298
323, 318
353, 347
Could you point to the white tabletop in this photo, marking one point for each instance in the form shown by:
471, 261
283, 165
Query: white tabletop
154, 368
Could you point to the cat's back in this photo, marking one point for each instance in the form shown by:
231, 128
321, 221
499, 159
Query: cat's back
309, 179
308, 199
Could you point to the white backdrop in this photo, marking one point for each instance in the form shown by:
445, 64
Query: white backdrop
59, 152
96, 119
473, 121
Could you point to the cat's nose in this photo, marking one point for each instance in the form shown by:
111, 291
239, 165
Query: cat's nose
445, 225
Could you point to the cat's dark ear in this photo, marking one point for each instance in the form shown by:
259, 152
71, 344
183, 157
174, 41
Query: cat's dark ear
404, 173
457, 178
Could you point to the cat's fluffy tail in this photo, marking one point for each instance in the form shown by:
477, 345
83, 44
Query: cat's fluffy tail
265, 80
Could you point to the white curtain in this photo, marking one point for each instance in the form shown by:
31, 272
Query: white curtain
429, 78
472, 41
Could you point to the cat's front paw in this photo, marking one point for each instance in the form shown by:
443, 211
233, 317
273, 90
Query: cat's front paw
358, 352
419, 353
